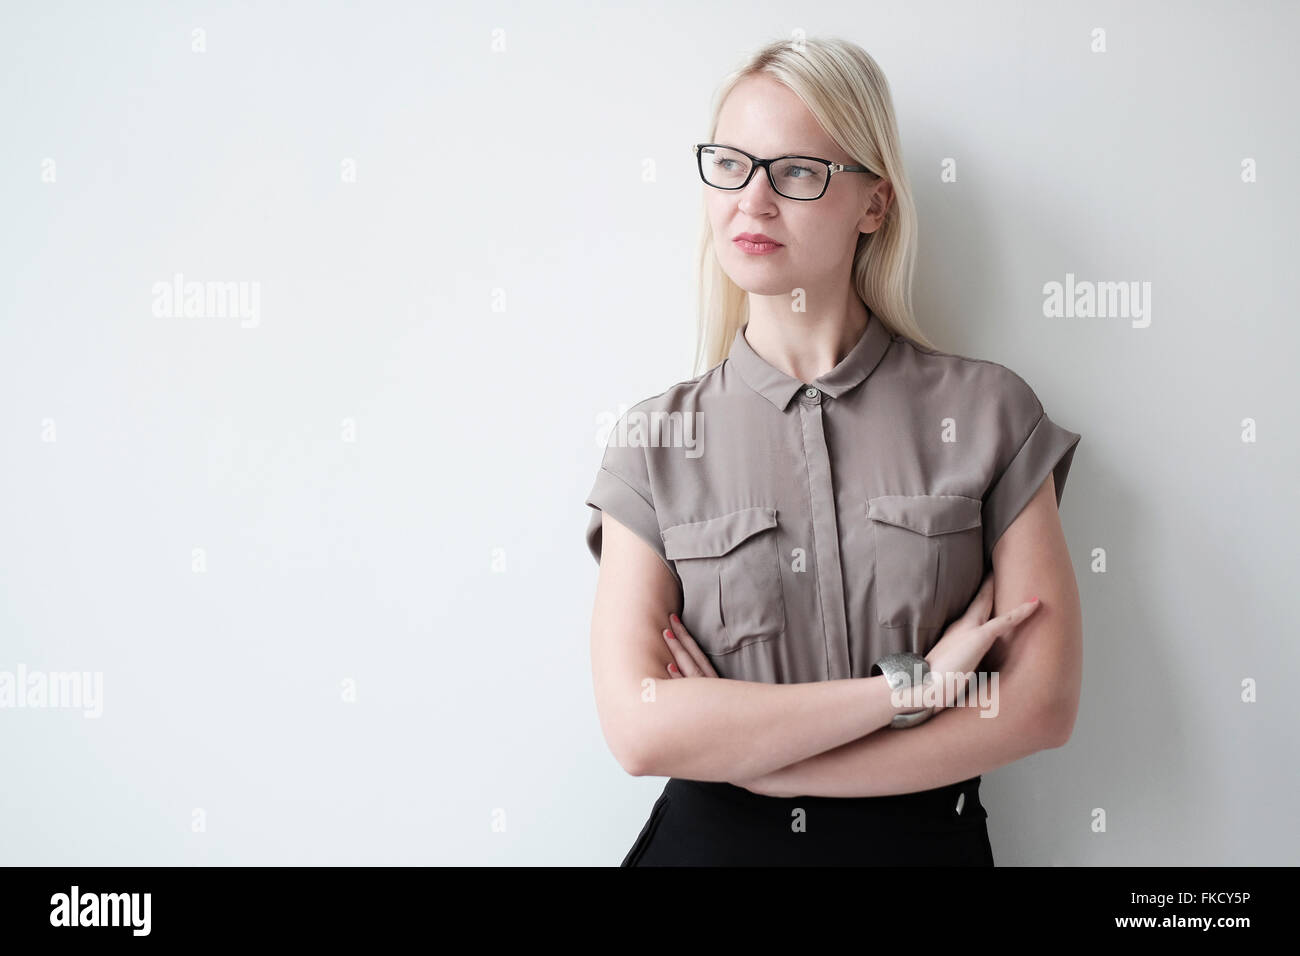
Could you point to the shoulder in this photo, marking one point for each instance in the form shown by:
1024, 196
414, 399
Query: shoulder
680, 395
667, 417
972, 379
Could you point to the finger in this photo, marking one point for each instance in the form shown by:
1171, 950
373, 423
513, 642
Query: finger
986, 595
673, 672
688, 643
1005, 624
686, 665
977, 612
981, 606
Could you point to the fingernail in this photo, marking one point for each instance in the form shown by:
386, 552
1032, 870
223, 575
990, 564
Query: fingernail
676, 619
673, 668
1034, 599
670, 635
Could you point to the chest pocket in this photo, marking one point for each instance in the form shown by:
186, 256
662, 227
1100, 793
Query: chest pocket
929, 557
731, 578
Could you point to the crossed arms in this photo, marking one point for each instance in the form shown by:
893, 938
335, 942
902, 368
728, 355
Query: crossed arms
830, 738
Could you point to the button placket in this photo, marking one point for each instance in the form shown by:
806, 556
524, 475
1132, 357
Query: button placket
826, 540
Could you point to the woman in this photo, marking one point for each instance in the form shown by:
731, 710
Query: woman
833, 506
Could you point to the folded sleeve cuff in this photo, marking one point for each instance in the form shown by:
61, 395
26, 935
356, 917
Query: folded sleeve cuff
612, 494
1049, 449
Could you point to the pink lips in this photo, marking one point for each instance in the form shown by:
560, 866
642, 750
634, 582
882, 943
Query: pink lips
756, 244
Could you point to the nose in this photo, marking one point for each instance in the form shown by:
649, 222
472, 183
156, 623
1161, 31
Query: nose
759, 191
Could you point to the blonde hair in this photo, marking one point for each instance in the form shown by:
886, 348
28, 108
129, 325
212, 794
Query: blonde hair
845, 89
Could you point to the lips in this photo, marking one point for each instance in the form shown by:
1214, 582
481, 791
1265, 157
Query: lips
756, 244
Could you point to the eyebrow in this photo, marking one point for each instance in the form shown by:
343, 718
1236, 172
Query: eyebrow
797, 151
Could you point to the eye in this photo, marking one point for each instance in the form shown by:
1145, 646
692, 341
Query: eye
790, 170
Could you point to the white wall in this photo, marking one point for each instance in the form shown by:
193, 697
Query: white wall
478, 182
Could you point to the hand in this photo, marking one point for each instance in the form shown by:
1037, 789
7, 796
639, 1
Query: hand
688, 660
965, 642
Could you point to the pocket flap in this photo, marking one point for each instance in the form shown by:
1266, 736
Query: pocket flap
714, 536
926, 514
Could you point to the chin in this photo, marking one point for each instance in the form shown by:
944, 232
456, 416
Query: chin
765, 285
758, 277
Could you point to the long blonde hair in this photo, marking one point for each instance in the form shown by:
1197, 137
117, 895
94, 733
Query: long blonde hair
845, 89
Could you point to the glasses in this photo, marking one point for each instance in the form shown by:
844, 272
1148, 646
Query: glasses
795, 177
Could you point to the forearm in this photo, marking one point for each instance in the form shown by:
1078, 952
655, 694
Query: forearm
955, 744
724, 730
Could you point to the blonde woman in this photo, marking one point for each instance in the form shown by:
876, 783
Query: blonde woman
816, 556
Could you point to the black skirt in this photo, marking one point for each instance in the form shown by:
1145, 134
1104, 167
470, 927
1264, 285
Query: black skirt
702, 823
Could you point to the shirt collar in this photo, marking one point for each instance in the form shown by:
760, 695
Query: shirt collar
778, 388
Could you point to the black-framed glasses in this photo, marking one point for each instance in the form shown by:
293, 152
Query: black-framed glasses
795, 177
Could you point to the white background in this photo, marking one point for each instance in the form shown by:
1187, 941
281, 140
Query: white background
553, 177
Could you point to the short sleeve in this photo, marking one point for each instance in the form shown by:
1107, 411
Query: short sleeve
1033, 446
622, 488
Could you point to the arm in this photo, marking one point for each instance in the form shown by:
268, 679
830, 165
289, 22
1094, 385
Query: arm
702, 729
1039, 675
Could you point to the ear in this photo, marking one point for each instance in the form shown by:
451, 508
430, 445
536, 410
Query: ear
879, 197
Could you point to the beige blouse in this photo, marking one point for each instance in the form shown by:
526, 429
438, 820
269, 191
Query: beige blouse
815, 527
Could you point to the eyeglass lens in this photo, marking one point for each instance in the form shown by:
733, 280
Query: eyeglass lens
795, 178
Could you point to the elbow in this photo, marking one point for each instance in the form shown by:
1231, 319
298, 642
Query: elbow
1055, 725
630, 759
634, 754
630, 756
631, 732
637, 762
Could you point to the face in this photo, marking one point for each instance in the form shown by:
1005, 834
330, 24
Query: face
818, 238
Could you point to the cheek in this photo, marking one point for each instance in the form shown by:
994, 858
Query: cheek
719, 212
824, 240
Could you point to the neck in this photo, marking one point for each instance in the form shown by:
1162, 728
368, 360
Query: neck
804, 345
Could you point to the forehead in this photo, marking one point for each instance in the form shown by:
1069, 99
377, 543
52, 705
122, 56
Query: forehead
814, 151
766, 118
